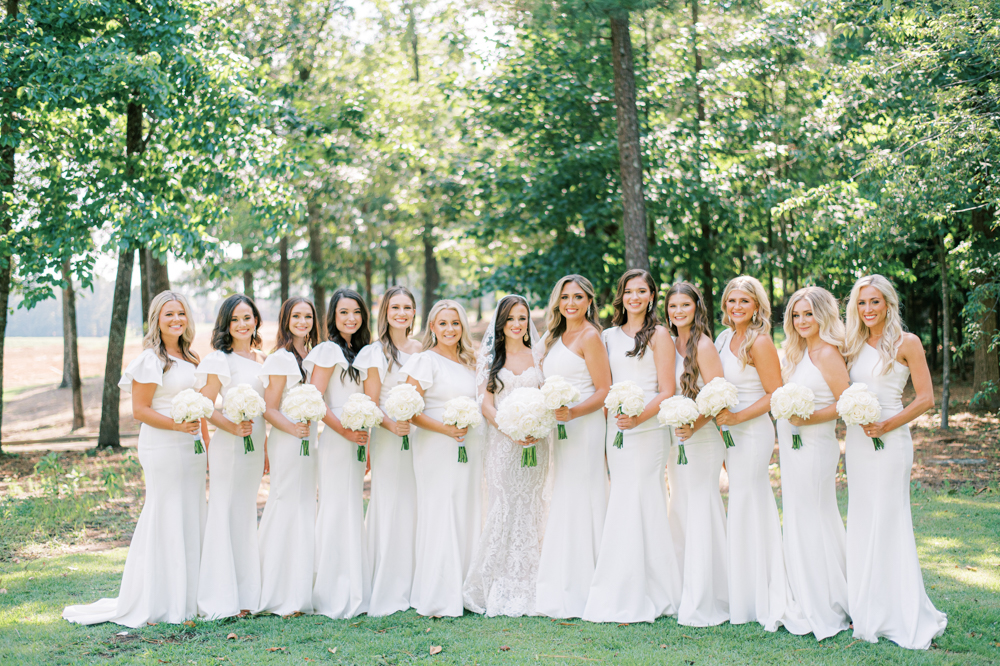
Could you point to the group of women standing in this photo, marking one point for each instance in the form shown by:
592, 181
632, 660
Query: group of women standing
591, 531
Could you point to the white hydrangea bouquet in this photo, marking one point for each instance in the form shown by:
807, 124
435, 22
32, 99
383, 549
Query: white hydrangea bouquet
242, 403
402, 404
859, 406
559, 393
360, 413
677, 411
189, 405
303, 404
525, 413
793, 400
625, 398
715, 396
462, 412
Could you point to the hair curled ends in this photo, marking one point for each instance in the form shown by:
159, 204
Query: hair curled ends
359, 338
154, 339
494, 384
466, 354
222, 339
825, 311
555, 323
760, 324
384, 336
858, 332
700, 326
286, 339
620, 315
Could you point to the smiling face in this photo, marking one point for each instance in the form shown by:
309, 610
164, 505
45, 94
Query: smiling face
242, 324
740, 307
401, 312
517, 323
636, 296
680, 310
173, 320
872, 307
300, 323
447, 328
803, 320
573, 301
347, 317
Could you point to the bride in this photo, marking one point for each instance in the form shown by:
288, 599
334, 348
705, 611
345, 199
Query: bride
502, 578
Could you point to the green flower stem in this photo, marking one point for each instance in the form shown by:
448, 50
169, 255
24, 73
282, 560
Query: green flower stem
198, 446
304, 448
248, 444
463, 457
562, 431
682, 458
529, 457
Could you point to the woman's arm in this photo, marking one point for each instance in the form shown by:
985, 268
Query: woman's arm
710, 367
427, 423
489, 407
272, 398
595, 355
664, 356
831, 365
765, 360
211, 391
321, 380
912, 352
142, 410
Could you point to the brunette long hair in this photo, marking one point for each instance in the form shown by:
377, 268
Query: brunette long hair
701, 325
620, 316
286, 340
494, 384
222, 339
555, 323
359, 340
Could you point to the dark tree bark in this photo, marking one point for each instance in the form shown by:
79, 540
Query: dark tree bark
145, 289
70, 344
159, 276
7, 166
316, 265
986, 364
368, 283
432, 278
247, 274
284, 268
945, 335
411, 36
932, 360
704, 216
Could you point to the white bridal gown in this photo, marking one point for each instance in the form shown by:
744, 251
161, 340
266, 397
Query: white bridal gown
579, 499
230, 560
814, 535
698, 524
287, 528
637, 578
885, 587
392, 510
342, 585
449, 493
758, 588
504, 569
160, 581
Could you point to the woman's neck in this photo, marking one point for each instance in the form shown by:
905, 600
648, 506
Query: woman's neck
242, 347
813, 342
172, 344
299, 342
683, 335
574, 325
448, 351
875, 332
513, 345
398, 337
740, 330
634, 322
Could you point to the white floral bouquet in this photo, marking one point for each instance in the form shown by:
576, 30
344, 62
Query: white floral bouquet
462, 412
189, 405
523, 414
559, 393
241, 404
304, 403
859, 406
677, 411
793, 400
625, 398
715, 396
360, 413
402, 404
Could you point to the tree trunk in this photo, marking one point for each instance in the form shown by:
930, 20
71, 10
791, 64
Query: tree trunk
7, 166
247, 274
945, 335
316, 266
432, 279
368, 283
393, 264
70, 344
159, 276
145, 288
67, 362
629, 147
704, 216
986, 365
284, 268
411, 37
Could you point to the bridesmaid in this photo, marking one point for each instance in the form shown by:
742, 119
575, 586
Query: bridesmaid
637, 578
697, 515
160, 581
229, 582
449, 493
574, 351
885, 588
814, 536
342, 585
392, 510
286, 534
758, 589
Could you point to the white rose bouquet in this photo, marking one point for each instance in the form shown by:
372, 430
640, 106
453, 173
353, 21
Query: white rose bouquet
402, 404
242, 403
360, 413
625, 398
859, 406
793, 400
304, 403
559, 393
462, 412
189, 405
715, 396
677, 411
525, 413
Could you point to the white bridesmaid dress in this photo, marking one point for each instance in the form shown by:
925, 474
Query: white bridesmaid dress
698, 524
579, 499
814, 535
160, 581
342, 585
885, 587
758, 587
392, 510
229, 581
637, 578
287, 528
449, 493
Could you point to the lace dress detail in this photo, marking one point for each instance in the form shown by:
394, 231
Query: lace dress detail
504, 568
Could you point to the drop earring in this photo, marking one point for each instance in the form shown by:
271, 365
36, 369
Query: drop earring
754, 318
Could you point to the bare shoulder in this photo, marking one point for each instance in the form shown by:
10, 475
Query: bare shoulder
910, 344
706, 345
661, 336
828, 356
763, 343
591, 337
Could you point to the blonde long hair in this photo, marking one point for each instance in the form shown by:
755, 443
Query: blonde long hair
555, 323
153, 340
762, 325
466, 354
825, 311
858, 332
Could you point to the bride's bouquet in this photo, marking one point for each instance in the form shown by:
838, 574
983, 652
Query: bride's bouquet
625, 398
793, 400
303, 404
189, 405
360, 413
559, 393
402, 404
859, 406
524, 413
242, 403
677, 411
462, 412
715, 396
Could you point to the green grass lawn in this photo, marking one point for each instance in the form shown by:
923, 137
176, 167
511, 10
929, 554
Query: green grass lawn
958, 536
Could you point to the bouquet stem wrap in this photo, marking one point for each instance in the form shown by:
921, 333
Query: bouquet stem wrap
463, 456
199, 448
304, 447
796, 438
406, 443
561, 428
247, 443
529, 456
727, 437
362, 453
879, 444
682, 458
620, 437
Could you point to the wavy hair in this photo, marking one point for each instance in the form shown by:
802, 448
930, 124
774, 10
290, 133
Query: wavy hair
466, 354
154, 340
493, 383
762, 325
358, 341
286, 339
384, 334
858, 332
222, 339
825, 311
555, 323
701, 326
620, 316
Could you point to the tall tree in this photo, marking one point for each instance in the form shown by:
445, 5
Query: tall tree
9, 139
71, 349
